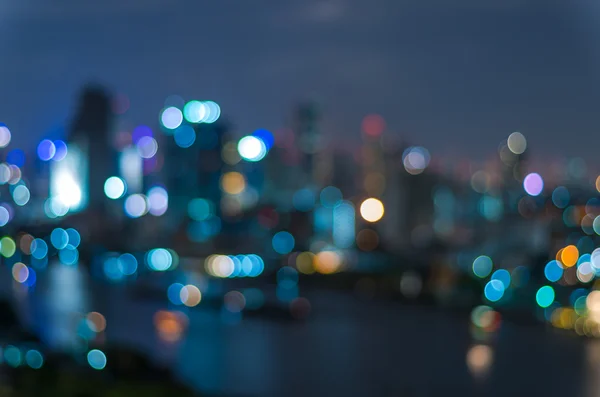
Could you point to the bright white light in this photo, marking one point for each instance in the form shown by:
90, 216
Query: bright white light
4, 136
136, 206
68, 191
68, 182
171, 118
114, 188
251, 148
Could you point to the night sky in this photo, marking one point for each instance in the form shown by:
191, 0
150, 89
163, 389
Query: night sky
456, 76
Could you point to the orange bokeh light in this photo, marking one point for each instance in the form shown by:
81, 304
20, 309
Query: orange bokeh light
569, 256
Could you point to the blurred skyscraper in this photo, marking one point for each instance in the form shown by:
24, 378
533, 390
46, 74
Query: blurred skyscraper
316, 161
90, 135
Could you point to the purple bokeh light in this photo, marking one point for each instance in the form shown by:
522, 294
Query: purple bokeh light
139, 132
533, 184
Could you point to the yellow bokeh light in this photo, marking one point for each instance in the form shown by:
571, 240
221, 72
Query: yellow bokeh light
564, 317
598, 184
327, 262
593, 301
372, 210
304, 262
233, 183
569, 256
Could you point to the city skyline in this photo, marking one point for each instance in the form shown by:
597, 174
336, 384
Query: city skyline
438, 74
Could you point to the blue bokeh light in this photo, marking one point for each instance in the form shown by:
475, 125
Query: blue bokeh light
97, 359
159, 259
60, 150
553, 271
127, 264
34, 359
258, 265
16, 157
74, 237
46, 150
13, 356
545, 296
491, 208
200, 209
59, 238
69, 255
482, 266
494, 290
265, 136
174, 293
283, 242
503, 276
304, 200
561, 197
330, 197
38, 248
184, 136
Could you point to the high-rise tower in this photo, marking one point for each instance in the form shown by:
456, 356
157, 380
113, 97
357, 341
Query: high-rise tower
90, 135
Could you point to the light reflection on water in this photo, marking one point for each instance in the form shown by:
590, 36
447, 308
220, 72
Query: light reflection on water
349, 347
63, 299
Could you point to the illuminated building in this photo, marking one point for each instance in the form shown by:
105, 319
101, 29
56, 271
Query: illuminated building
68, 181
90, 135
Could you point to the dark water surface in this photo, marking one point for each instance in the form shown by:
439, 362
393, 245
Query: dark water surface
348, 347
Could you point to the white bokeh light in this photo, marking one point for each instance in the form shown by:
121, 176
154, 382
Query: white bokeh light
158, 201
114, 187
5, 136
252, 148
136, 206
171, 118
